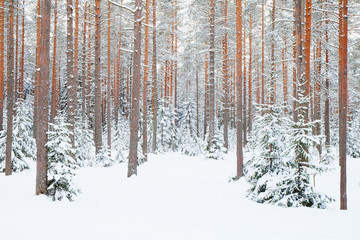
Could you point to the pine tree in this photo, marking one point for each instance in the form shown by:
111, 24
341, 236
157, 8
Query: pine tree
62, 165
103, 158
215, 149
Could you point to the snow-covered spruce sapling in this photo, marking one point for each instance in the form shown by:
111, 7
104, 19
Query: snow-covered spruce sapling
190, 143
62, 165
268, 141
23, 145
167, 130
103, 159
84, 144
215, 149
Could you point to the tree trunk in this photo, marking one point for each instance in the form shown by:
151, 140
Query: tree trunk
71, 81
83, 75
239, 140
108, 106
10, 89
244, 92
2, 79
76, 46
43, 111
146, 62
343, 97
154, 81
21, 83
272, 72
98, 128
250, 76
212, 74
54, 85
226, 79
327, 85
262, 54
88, 81
16, 52
307, 52
37, 72
134, 118
206, 96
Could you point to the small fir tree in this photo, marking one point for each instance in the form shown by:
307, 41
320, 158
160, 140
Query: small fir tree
62, 164
215, 149
103, 158
190, 143
167, 130
353, 137
84, 144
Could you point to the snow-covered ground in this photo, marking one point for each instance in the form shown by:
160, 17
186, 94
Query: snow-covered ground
173, 197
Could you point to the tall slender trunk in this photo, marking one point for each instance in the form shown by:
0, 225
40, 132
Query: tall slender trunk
294, 105
117, 98
134, 118
307, 52
108, 94
71, 81
98, 128
2, 79
206, 96
317, 86
37, 72
226, 79
272, 72
212, 74
54, 85
10, 89
21, 82
146, 62
88, 81
239, 140
327, 83
16, 52
343, 97
44, 52
83, 75
197, 101
250, 75
76, 45
244, 91
154, 80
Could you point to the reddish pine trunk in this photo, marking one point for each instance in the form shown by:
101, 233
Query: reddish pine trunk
37, 72
54, 85
98, 128
43, 111
343, 98
108, 94
154, 80
21, 83
10, 89
250, 76
239, 140
134, 118
226, 80
307, 51
146, 62
262, 54
212, 74
2, 80
83, 76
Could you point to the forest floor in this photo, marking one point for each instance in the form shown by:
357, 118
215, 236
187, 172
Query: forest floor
174, 197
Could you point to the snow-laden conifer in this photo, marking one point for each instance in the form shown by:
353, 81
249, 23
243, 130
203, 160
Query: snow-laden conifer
190, 143
167, 130
84, 144
353, 138
61, 162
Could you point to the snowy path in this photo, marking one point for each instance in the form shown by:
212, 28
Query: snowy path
173, 197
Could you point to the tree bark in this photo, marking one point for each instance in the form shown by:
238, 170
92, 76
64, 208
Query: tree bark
21, 83
146, 62
83, 75
108, 94
226, 79
212, 74
307, 52
262, 54
71, 81
98, 128
343, 98
37, 72
54, 85
10, 89
2, 79
154, 80
250, 75
239, 130
43, 111
134, 118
